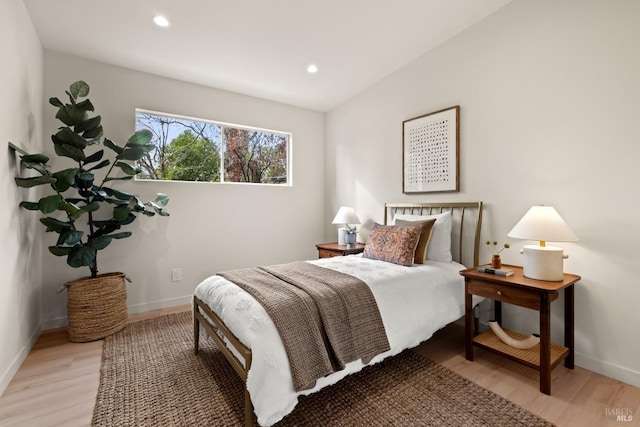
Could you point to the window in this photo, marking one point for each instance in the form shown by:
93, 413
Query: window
189, 149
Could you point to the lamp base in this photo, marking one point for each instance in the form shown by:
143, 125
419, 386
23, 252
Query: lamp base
543, 262
342, 240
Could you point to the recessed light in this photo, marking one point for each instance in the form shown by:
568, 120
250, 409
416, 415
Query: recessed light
312, 69
160, 21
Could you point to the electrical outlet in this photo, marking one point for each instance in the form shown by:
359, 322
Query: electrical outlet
176, 274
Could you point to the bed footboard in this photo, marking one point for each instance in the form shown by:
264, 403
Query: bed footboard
215, 328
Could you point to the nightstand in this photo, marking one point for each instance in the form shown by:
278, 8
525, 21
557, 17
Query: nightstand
534, 294
328, 250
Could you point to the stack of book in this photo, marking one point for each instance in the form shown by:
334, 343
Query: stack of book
497, 271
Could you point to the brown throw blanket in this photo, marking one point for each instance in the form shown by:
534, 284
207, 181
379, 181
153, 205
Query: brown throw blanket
325, 318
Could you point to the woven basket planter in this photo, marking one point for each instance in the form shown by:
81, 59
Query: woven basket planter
96, 307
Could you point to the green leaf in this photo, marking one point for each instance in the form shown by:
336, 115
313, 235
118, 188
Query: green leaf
70, 115
115, 147
158, 209
100, 165
49, 204
129, 220
85, 105
94, 157
56, 225
121, 178
162, 198
121, 235
118, 194
63, 116
65, 179
140, 205
79, 89
106, 227
32, 182
116, 202
32, 206
86, 193
99, 192
84, 180
69, 238
59, 250
126, 168
141, 137
120, 213
66, 150
89, 124
55, 102
72, 209
93, 133
81, 256
135, 152
67, 136
91, 207
35, 158
100, 242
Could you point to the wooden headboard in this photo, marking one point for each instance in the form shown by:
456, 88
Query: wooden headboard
465, 233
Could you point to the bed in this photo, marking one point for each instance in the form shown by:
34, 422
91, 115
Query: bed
411, 308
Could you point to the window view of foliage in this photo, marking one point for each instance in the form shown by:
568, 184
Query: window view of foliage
191, 157
255, 156
193, 150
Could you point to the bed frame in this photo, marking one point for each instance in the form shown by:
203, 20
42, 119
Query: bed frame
467, 222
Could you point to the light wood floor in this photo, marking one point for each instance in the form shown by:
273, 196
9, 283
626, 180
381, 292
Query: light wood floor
58, 382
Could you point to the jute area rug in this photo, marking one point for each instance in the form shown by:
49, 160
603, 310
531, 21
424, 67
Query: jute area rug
151, 377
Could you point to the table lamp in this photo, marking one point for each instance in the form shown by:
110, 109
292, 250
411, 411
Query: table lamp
543, 223
345, 216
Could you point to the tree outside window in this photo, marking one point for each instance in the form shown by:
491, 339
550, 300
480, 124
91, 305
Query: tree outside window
197, 150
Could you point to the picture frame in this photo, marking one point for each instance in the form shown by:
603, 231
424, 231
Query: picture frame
431, 152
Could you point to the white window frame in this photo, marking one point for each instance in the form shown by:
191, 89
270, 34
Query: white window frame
222, 126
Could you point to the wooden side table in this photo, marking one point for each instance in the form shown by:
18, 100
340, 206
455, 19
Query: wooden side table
525, 292
328, 250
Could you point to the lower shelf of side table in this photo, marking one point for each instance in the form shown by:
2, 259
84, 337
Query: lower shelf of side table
529, 357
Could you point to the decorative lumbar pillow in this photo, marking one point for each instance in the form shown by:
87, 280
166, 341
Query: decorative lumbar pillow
425, 236
439, 248
392, 243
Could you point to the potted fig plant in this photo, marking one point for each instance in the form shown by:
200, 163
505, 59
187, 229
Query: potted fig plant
86, 211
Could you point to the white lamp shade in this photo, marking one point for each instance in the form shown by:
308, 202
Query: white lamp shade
543, 223
346, 215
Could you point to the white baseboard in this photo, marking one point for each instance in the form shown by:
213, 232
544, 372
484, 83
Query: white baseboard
8, 375
55, 323
61, 322
607, 369
157, 305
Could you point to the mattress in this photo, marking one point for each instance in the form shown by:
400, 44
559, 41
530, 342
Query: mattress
414, 302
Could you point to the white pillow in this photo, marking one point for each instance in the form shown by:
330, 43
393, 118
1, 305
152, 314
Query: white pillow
439, 248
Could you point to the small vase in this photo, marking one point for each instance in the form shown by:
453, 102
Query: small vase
496, 262
350, 239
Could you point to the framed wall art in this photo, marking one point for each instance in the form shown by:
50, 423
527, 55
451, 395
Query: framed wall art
430, 152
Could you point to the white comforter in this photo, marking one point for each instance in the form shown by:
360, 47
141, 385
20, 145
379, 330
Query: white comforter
414, 303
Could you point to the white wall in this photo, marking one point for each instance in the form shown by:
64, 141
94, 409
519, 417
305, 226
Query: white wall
549, 94
21, 124
212, 227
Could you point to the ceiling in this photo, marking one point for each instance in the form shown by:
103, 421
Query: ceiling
259, 47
